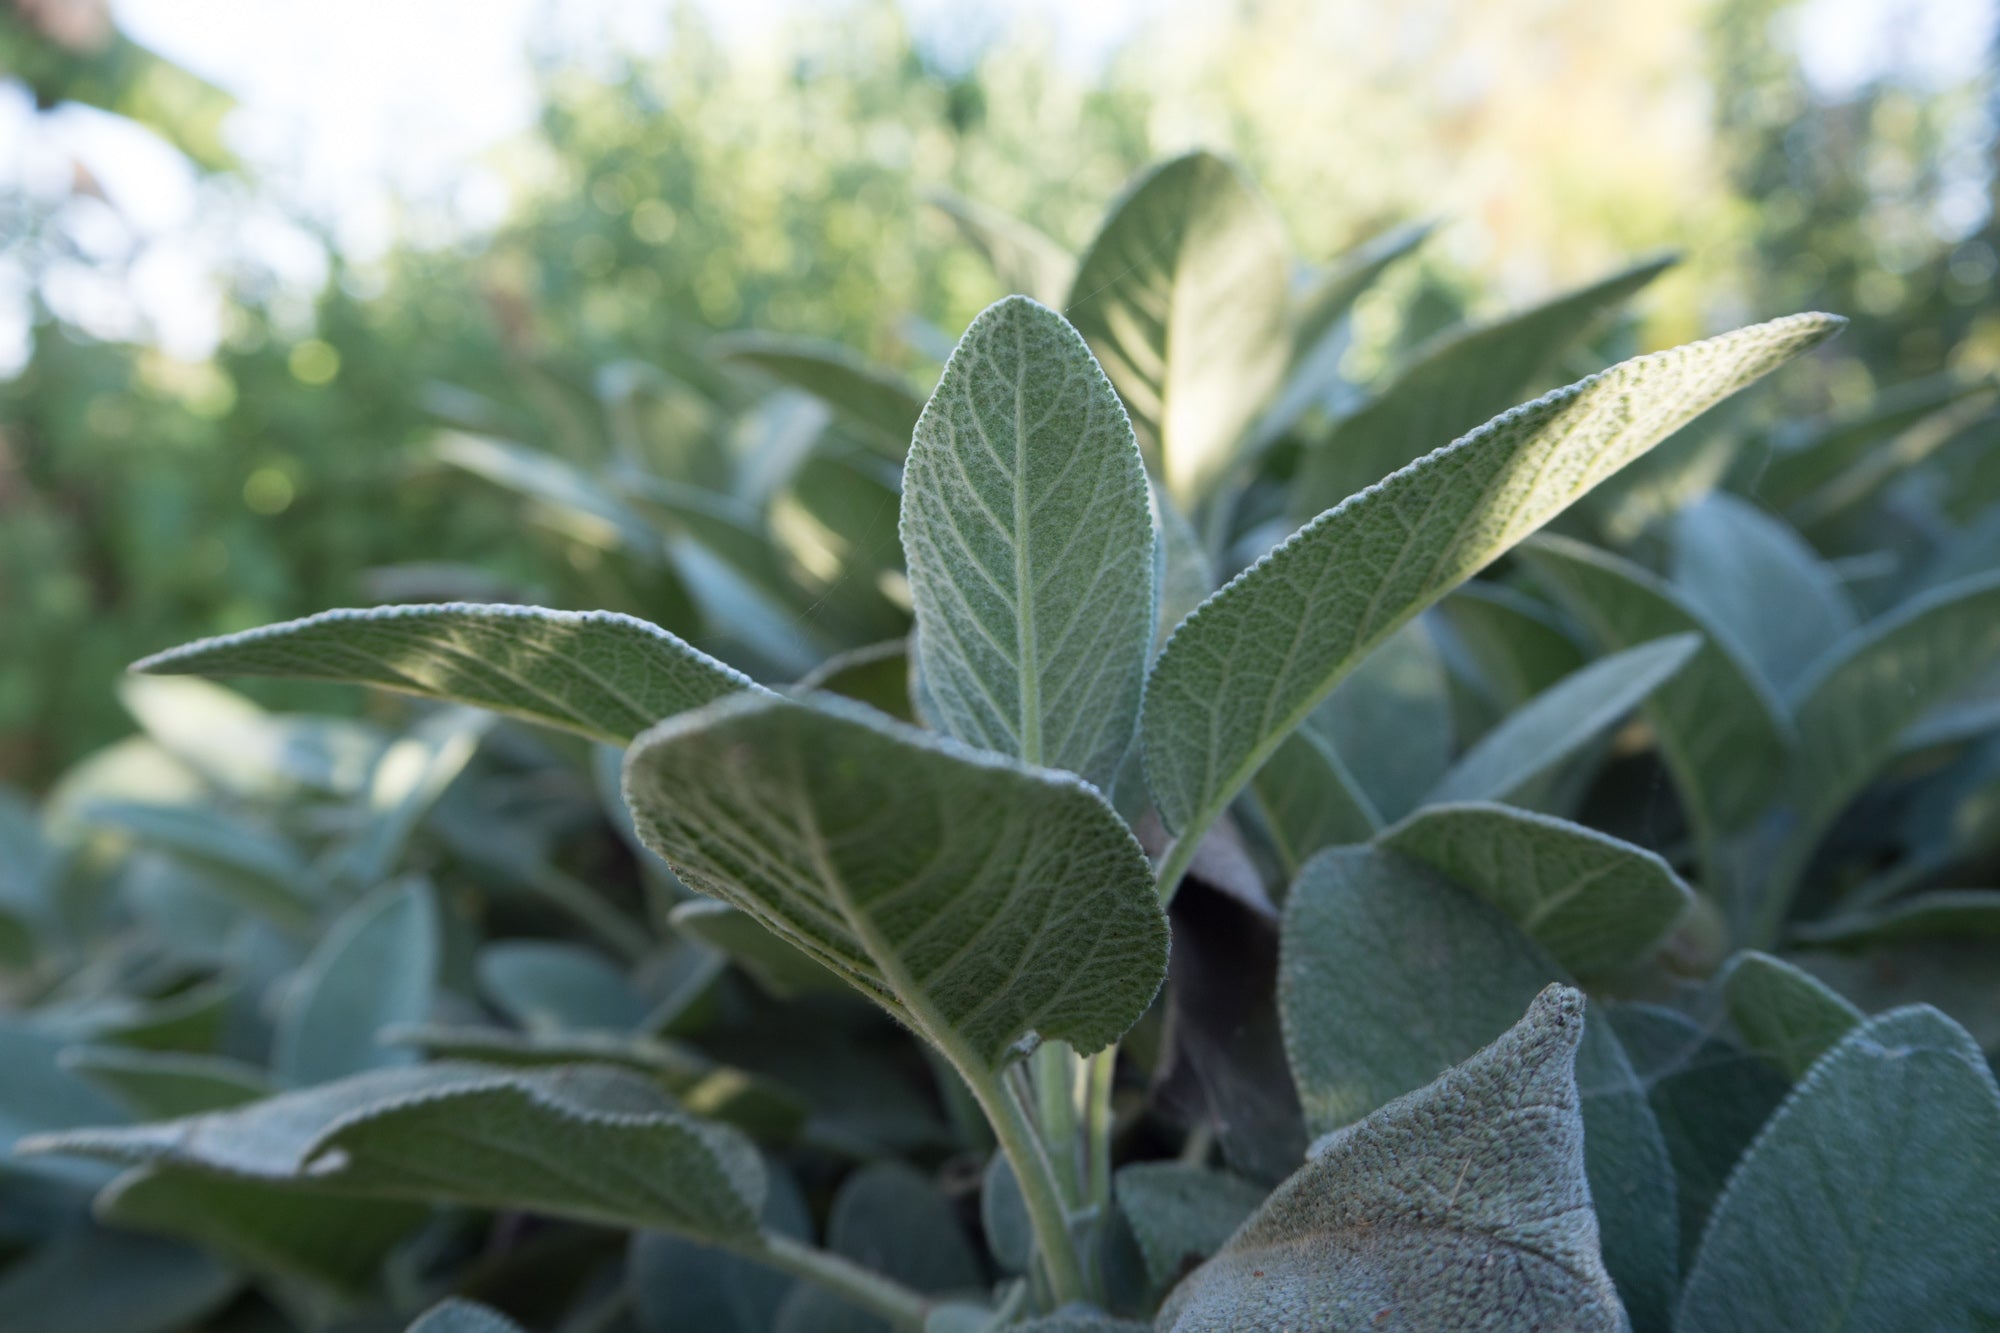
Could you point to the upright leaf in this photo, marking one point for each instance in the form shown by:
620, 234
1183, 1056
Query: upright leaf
1458, 381
1736, 562
1785, 1014
1367, 938
1561, 720
1390, 720
1183, 297
1029, 539
1025, 260
975, 898
871, 398
1595, 903
1307, 799
1257, 657
1723, 733
376, 966
605, 675
1460, 1206
1180, 1214
1867, 1200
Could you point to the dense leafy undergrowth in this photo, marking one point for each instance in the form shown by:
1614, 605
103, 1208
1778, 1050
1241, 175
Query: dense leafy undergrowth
1186, 839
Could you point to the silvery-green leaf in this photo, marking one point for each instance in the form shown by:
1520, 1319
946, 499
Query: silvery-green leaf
605, 675
741, 620
1867, 478
1519, 644
1186, 575
1561, 720
1003, 1216
1369, 937
1390, 720
243, 749
1257, 657
1807, 457
681, 1286
1181, 1214
878, 675
565, 497
586, 1142
413, 772
1458, 381
1460, 1206
868, 397
1960, 914
40, 1094
158, 1085
975, 898
105, 1281
1867, 1200
1029, 540
280, 1229
1722, 732
891, 1220
782, 969
1025, 260
1306, 799
547, 985
462, 1316
1855, 703
1734, 562
1183, 297
251, 865
1789, 1016
375, 966
1595, 903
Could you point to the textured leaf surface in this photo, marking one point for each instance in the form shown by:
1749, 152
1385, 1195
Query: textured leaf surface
1561, 720
780, 968
1460, 380
866, 396
605, 675
595, 1144
1183, 298
1029, 538
1390, 975
1722, 732
1390, 720
376, 966
1257, 657
1307, 800
1736, 563
1182, 1214
1786, 1014
1594, 902
976, 898
1867, 1201
1460, 1206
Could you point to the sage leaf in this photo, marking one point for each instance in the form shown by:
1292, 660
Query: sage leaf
1596, 903
1724, 735
868, 397
1460, 1206
462, 1316
1029, 539
783, 970
113, 1282
1787, 1015
680, 1286
549, 986
585, 1142
1561, 720
604, 675
891, 1220
254, 867
1519, 645
1306, 799
878, 675
1803, 460
1390, 720
1867, 1200
159, 1085
1954, 914
1735, 562
1258, 656
565, 498
1326, 299
1183, 296
1367, 935
376, 966
1462, 378
975, 898
1181, 1215
1025, 260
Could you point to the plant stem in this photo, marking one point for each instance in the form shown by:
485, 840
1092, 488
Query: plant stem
1052, 1069
864, 1287
1035, 1176
1098, 1072
1180, 855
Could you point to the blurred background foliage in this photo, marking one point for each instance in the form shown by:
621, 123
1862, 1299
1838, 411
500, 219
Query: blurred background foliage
155, 487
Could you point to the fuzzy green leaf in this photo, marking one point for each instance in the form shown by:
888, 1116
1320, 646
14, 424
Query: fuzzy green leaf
1029, 538
868, 397
1257, 657
158, 1085
1460, 1206
782, 969
1594, 902
376, 966
1183, 296
1458, 381
1787, 1015
1561, 720
1308, 800
604, 675
1735, 562
105, 1281
1867, 1200
975, 898
1722, 732
586, 1142
1181, 1215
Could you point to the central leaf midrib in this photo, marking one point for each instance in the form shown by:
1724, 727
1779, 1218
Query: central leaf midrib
1024, 620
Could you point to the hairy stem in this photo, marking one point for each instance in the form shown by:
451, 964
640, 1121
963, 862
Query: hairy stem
1036, 1178
1097, 1076
1052, 1069
1180, 855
